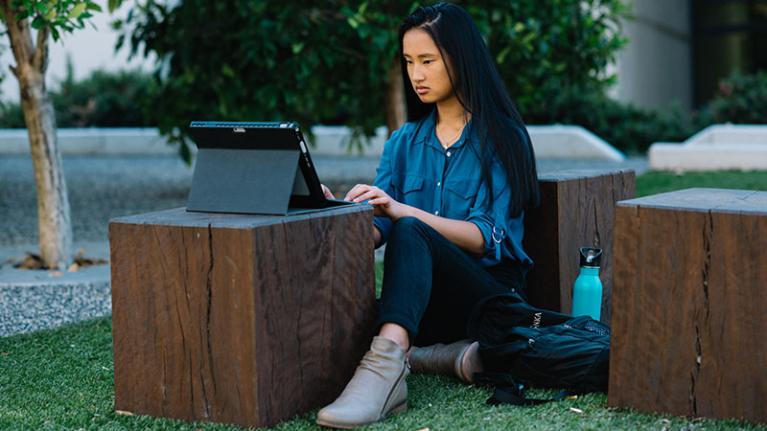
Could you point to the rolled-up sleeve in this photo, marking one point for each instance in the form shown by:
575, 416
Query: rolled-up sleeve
384, 182
502, 234
487, 217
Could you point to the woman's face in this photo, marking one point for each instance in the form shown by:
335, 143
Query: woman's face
426, 68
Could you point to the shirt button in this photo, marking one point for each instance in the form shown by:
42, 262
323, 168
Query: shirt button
439, 183
436, 212
449, 153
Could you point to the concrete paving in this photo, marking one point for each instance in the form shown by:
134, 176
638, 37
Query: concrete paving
103, 187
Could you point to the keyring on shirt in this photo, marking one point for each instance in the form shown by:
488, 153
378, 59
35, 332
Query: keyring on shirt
500, 235
498, 241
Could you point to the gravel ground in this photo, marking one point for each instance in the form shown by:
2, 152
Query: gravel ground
32, 308
99, 188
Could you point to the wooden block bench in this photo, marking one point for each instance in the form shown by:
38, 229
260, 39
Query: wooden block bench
577, 210
241, 319
689, 304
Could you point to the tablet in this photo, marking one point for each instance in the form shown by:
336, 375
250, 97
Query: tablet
254, 168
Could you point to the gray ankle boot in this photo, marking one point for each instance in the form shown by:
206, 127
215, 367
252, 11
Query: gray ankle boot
460, 359
377, 389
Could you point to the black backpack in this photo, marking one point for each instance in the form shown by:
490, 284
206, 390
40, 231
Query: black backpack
521, 345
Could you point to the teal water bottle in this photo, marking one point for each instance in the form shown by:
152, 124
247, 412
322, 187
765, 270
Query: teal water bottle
587, 290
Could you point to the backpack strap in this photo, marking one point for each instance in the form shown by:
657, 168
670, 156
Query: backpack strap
508, 391
516, 397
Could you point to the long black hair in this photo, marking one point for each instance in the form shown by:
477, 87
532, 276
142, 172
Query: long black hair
481, 92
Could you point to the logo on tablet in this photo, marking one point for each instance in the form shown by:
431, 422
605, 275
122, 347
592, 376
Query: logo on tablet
239, 130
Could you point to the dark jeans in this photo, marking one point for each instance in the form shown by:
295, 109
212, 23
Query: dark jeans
430, 286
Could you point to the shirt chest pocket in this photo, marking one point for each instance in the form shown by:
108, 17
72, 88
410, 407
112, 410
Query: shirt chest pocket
407, 185
460, 196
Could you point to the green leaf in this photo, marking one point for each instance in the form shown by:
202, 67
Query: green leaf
40, 7
94, 7
22, 14
364, 31
77, 11
120, 41
227, 71
38, 22
112, 5
501, 57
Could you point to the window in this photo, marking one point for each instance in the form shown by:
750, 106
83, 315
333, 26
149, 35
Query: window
728, 36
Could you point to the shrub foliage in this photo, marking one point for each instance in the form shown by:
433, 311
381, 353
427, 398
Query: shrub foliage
105, 99
102, 99
741, 99
327, 62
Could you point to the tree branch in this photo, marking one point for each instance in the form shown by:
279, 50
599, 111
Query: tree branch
40, 59
21, 39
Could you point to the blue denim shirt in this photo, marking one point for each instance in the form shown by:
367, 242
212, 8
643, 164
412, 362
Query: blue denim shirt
416, 170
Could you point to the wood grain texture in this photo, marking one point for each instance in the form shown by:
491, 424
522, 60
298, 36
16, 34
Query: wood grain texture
689, 303
247, 321
577, 210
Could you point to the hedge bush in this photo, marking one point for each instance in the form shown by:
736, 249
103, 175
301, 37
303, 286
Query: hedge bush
11, 116
102, 99
627, 127
105, 99
740, 99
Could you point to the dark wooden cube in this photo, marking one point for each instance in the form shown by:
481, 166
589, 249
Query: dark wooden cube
577, 210
689, 303
235, 318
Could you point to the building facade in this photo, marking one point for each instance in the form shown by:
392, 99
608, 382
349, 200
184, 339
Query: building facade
679, 50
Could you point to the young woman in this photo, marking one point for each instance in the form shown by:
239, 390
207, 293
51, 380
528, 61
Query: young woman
448, 200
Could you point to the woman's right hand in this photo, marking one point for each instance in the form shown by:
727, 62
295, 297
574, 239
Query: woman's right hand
383, 204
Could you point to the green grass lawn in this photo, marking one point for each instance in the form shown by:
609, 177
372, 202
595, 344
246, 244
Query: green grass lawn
651, 183
62, 379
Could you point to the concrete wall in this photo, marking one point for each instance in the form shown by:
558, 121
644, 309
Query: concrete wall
655, 68
717, 147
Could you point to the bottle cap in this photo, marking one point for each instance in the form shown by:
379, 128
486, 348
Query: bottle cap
591, 257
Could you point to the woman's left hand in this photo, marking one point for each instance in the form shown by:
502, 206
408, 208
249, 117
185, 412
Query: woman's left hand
383, 204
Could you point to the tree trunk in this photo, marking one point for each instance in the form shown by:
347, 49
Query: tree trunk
55, 229
53, 217
395, 97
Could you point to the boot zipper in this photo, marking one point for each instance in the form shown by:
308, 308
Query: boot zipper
391, 391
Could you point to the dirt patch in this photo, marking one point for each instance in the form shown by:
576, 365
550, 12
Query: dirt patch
33, 261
